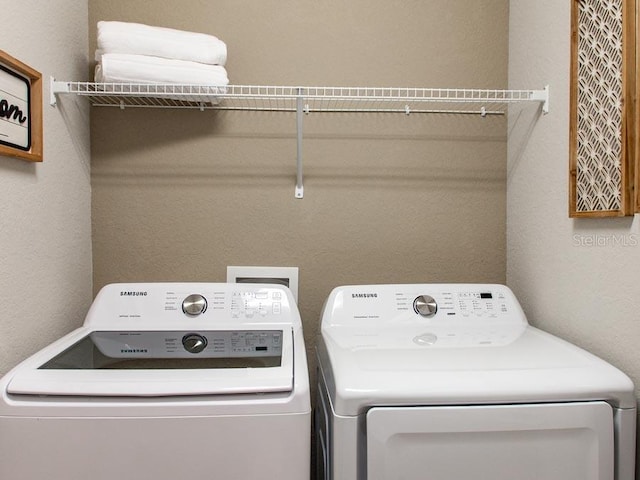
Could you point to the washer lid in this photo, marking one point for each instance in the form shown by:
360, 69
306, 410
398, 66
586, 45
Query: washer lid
160, 363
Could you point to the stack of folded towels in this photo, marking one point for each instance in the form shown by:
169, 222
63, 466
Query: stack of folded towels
136, 53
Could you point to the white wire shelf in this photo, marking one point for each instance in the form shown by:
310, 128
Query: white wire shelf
315, 99
301, 100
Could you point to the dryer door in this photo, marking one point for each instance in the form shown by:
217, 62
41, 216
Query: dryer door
567, 441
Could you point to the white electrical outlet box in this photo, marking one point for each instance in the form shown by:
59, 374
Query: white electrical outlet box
287, 276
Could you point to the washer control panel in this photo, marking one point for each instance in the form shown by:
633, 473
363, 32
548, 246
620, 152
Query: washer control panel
191, 306
239, 303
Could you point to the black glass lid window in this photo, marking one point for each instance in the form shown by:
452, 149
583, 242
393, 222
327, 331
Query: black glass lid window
86, 355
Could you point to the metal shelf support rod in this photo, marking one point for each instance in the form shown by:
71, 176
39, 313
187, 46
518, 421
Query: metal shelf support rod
299, 192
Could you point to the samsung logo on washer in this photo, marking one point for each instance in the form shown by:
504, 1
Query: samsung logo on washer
133, 294
364, 295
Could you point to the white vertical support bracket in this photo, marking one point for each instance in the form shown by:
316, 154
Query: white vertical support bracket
54, 88
542, 96
299, 193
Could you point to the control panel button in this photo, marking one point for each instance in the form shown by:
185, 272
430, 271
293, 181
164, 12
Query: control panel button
194, 305
425, 305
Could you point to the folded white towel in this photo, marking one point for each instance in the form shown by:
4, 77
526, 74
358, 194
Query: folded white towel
139, 39
123, 68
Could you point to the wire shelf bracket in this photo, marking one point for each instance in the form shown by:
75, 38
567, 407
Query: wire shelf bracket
301, 101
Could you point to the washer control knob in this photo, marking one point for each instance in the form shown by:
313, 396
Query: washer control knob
194, 305
194, 343
425, 305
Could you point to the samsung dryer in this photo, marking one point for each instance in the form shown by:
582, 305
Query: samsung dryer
165, 381
450, 382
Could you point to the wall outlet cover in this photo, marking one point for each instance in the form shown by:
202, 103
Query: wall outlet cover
287, 276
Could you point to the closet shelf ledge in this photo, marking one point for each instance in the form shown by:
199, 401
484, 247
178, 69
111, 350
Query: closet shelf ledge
406, 100
301, 100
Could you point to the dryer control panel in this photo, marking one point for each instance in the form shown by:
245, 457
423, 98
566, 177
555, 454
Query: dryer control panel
489, 303
432, 303
423, 315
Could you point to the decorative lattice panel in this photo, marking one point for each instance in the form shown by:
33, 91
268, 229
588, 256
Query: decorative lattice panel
599, 98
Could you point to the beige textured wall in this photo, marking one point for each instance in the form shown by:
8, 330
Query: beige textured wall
45, 208
179, 195
577, 278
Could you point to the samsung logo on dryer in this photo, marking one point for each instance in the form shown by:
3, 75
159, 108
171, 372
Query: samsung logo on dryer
133, 294
364, 295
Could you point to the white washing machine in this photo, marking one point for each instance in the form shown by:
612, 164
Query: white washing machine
450, 382
165, 381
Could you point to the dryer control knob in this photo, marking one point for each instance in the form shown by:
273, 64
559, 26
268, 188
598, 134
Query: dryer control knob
194, 305
194, 343
425, 305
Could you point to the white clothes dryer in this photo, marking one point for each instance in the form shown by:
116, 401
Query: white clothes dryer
165, 381
450, 382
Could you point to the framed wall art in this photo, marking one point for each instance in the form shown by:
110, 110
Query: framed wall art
20, 110
601, 170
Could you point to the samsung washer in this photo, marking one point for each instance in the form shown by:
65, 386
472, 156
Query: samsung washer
450, 382
165, 381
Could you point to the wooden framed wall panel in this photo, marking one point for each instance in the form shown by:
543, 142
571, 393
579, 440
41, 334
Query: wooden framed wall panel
602, 127
635, 108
